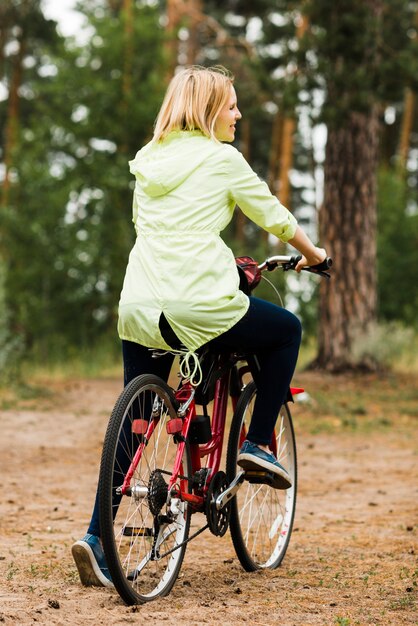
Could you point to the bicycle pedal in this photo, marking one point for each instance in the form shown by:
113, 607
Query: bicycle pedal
260, 477
140, 531
133, 575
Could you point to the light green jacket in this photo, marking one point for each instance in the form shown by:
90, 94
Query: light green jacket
185, 193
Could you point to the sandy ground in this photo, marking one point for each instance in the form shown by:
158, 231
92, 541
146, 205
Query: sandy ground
352, 557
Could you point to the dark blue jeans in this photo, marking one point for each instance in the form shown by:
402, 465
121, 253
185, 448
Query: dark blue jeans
269, 332
273, 335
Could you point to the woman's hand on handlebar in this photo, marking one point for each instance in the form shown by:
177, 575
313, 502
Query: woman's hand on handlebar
311, 254
318, 255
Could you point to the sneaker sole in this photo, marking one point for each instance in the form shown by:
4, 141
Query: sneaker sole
88, 570
247, 462
262, 477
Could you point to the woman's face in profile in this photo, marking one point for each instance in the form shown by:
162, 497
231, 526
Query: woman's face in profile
227, 118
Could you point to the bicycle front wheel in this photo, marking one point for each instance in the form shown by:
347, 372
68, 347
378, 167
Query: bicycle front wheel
143, 530
261, 516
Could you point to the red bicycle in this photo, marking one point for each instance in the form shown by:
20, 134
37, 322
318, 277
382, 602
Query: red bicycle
161, 464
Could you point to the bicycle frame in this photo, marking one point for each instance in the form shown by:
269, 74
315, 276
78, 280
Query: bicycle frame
179, 427
211, 450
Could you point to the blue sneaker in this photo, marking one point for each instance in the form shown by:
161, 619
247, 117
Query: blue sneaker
91, 562
253, 459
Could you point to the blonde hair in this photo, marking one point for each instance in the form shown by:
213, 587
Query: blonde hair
193, 101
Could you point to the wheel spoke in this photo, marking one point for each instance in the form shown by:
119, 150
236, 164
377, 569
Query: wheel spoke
261, 516
130, 522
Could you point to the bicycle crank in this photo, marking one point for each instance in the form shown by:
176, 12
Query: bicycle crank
218, 518
225, 496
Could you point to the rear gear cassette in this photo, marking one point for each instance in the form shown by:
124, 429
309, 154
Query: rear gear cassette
157, 492
218, 520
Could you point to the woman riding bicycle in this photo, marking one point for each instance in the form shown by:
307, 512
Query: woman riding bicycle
181, 279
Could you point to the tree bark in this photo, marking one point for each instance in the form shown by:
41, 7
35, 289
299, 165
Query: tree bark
406, 128
195, 14
286, 160
240, 219
174, 12
408, 115
280, 163
127, 16
348, 231
12, 119
273, 168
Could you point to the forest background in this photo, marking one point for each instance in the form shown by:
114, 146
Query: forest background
327, 90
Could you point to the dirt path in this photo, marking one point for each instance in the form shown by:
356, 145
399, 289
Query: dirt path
353, 553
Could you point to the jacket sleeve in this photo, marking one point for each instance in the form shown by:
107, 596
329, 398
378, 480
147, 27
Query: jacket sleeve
256, 200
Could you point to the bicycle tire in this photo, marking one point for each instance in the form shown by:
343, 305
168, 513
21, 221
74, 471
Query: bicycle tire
134, 545
261, 517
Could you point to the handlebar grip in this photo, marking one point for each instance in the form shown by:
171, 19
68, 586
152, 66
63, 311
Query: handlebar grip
290, 262
324, 265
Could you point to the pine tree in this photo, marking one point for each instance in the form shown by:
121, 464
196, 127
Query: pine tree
348, 50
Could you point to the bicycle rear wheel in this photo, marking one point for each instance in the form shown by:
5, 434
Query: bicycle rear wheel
140, 530
261, 516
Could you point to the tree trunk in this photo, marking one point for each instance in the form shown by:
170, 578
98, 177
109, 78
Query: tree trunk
282, 141
348, 231
4, 31
128, 53
174, 12
127, 17
12, 119
408, 115
274, 156
286, 160
280, 161
273, 168
406, 129
195, 13
240, 219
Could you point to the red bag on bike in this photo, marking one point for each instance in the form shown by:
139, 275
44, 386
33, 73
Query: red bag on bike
249, 273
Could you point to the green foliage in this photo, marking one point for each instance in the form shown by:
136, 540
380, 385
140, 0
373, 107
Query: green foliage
381, 345
68, 229
11, 345
360, 52
397, 249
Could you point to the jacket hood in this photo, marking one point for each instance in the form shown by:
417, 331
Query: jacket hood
161, 167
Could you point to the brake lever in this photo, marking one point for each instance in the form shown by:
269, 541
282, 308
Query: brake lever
320, 268
294, 260
311, 270
271, 266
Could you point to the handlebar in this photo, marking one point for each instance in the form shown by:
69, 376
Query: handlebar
290, 262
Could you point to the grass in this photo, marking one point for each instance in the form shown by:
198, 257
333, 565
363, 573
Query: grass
86, 364
356, 403
405, 361
105, 360
343, 621
12, 570
404, 603
350, 403
37, 378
